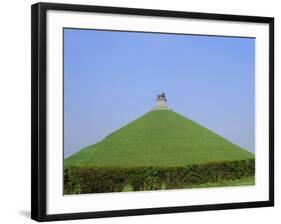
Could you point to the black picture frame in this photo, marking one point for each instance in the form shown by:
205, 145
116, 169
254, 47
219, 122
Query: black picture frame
38, 108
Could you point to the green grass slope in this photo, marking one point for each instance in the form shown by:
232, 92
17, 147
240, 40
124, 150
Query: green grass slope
159, 138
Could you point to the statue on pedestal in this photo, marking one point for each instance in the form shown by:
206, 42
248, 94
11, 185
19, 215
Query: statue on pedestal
161, 102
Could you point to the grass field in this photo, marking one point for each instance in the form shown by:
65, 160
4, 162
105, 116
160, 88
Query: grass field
245, 181
159, 138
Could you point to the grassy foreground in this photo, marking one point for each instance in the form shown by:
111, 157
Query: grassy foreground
245, 181
227, 183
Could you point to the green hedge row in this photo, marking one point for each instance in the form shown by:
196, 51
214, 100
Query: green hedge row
80, 180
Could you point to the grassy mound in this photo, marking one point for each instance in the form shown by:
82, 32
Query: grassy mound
160, 138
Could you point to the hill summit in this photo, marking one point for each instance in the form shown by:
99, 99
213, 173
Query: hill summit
159, 138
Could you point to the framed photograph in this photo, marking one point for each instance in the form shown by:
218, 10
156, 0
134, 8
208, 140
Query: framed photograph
141, 111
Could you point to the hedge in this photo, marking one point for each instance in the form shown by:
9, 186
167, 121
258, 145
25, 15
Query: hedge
81, 180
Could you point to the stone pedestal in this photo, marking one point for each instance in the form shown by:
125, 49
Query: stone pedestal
161, 104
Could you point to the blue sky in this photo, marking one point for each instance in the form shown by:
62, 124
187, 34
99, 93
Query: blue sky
112, 78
